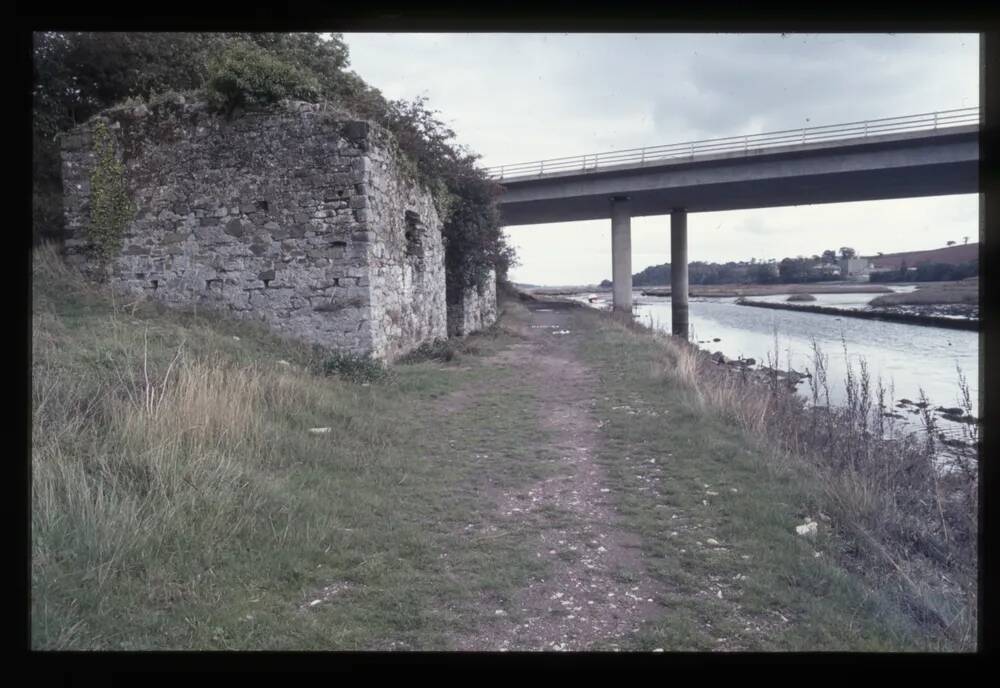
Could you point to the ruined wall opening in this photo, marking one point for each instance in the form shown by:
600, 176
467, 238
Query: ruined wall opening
414, 232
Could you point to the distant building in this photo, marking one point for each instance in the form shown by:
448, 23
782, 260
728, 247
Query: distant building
856, 269
827, 270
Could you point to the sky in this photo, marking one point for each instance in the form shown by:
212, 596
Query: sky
520, 97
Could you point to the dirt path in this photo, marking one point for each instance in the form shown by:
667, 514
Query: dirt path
598, 590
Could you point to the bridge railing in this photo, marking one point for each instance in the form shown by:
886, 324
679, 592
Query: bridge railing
734, 144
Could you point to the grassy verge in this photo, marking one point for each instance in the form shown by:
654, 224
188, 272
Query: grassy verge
181, 501
700, 478
963, 292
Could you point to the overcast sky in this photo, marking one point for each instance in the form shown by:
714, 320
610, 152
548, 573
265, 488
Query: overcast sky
521, 97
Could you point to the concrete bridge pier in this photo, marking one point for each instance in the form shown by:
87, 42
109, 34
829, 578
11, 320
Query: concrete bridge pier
621, 253
678, 273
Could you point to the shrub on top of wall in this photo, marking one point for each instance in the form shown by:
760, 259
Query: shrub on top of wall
248, 75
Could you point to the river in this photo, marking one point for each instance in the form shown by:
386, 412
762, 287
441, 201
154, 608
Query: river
907, 357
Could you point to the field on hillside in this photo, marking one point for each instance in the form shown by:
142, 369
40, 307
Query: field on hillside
934, 293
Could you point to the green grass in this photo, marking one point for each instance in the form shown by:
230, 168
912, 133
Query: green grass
179, 500
209, 522
763, 569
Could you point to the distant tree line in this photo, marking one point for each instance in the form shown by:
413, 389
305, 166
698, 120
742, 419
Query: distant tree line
822, 267
816, 268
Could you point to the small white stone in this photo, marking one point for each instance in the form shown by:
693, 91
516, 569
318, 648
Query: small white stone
712, 541
500, 612
808, 529
319, 431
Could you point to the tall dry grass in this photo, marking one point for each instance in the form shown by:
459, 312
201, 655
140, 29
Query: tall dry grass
143, 451
908, 511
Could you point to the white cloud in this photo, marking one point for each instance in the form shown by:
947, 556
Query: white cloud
520, 97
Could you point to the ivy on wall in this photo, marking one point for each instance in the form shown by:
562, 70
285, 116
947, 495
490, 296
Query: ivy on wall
111, 207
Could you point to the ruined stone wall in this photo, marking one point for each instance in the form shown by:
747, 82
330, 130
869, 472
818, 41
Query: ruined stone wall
477, 310
406, 260
294, 216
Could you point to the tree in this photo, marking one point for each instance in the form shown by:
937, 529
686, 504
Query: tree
792, 270
829, 256
78, 74
847, 252
951, 243
966, 240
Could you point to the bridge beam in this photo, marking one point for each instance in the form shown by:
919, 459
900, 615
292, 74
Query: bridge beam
621, 253
678, 273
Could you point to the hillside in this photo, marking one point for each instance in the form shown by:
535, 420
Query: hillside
949, 255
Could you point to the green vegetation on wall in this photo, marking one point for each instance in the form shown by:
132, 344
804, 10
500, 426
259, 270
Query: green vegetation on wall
111, 208
244, 75
77, 74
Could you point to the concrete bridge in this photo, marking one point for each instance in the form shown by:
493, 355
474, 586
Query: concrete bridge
929, 154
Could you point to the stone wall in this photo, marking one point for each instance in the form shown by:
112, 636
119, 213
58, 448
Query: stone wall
296, 216
477, 310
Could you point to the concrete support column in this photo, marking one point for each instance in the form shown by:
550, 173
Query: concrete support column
621, 253
678, 273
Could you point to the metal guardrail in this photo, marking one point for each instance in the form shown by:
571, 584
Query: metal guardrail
747, 143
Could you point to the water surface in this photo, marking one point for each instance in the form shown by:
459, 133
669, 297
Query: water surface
909, 358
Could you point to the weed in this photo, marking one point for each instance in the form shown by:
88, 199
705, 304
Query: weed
354, 367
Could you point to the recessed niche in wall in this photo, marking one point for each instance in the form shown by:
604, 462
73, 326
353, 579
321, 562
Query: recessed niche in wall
414, 234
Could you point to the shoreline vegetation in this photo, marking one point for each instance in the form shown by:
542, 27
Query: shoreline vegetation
729, 290
199, 483
888, 316
952, 305
901, 515
723, 290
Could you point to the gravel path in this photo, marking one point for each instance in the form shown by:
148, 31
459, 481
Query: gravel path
598, 590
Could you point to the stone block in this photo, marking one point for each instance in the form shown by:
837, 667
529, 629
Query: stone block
235, 228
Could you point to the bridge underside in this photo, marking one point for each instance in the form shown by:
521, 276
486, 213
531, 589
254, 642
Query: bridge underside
834, 187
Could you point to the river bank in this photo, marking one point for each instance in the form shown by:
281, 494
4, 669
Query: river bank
551, 484
955, 323
820, 446
736, 290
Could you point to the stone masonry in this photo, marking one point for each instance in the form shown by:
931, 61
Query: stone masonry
297, 216
477, 310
